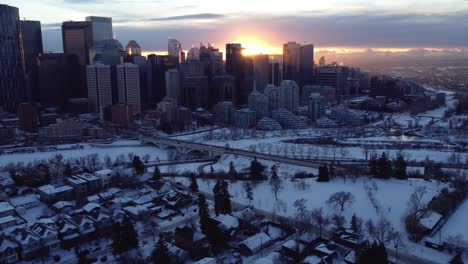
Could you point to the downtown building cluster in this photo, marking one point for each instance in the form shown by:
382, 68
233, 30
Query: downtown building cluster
97, 74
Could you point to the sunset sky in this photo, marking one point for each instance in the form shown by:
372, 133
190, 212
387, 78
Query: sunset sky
262, 26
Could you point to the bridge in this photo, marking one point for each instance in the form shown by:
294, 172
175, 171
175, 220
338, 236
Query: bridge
214, 152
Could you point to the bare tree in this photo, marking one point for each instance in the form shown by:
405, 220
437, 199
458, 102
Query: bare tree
340, 199
107, 161
303, 218
366, 152
384, 232
276, 185
338, 221
416, 209
319, 218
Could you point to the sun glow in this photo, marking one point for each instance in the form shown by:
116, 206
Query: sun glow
254, 46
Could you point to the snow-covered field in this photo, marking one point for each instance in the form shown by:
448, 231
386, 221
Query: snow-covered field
390, 196
112, 150
456, 224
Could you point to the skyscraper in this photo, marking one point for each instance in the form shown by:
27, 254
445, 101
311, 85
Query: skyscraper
174, 47
28, 117
102, 28
330, 76
193, 54
133, 49
128, 81
173, 84
212, 58
32, 41
242, 69
11, 59
108, 52
289, 95
78, 39
258, 102
157, 66
32, 46
261, 70
291, 61
99, 87
274, 74
316, 106
306, 65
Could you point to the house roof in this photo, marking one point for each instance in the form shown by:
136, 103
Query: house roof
50, 189
23, 200
5, 207
256, 242
228, 221
6, 243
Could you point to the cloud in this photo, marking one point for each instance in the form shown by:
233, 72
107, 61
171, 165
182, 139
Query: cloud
190, 17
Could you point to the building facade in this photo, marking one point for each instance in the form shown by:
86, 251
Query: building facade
128, 83
99, 88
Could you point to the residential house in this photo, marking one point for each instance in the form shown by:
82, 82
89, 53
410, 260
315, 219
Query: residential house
52, 194
48, 235
6, 209
64, 207
8, 250
193, 241
254, 243
228, 224
29, 242
26, 201
68, 232
85, 225
7, 221
105, 176
93, 183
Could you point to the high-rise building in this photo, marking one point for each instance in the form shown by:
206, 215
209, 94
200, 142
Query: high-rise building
128, 83
32, 47
99, 88
122, 114
316, 106
291, 61
330, 76
174, 47
32, 42
223, 112
245, 118
289, 95
272, 92
322, 61
108, 52
157, 65
235, 67
28, 117
274, 74
78, 39
133, 48
195, 91
193, 54
306, 65
262, 70
102, 28
212, 59
222, 88
11, 59
258, 102
173, 84
56, 80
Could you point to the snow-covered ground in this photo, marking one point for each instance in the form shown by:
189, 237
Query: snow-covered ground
456, 224
112, 150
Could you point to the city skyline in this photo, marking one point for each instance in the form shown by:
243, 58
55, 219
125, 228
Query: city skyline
347, 26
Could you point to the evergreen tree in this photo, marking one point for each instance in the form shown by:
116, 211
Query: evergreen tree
400, 168
226, 198
217, 197
138, 165
256, 170
373, 166
204, 214
354, 224
274, 173
249, 192
193, 183
156, 173
161, 254
457, 259
67, 171
384, 167
124, 236
372, 254
232, 171
323, 174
